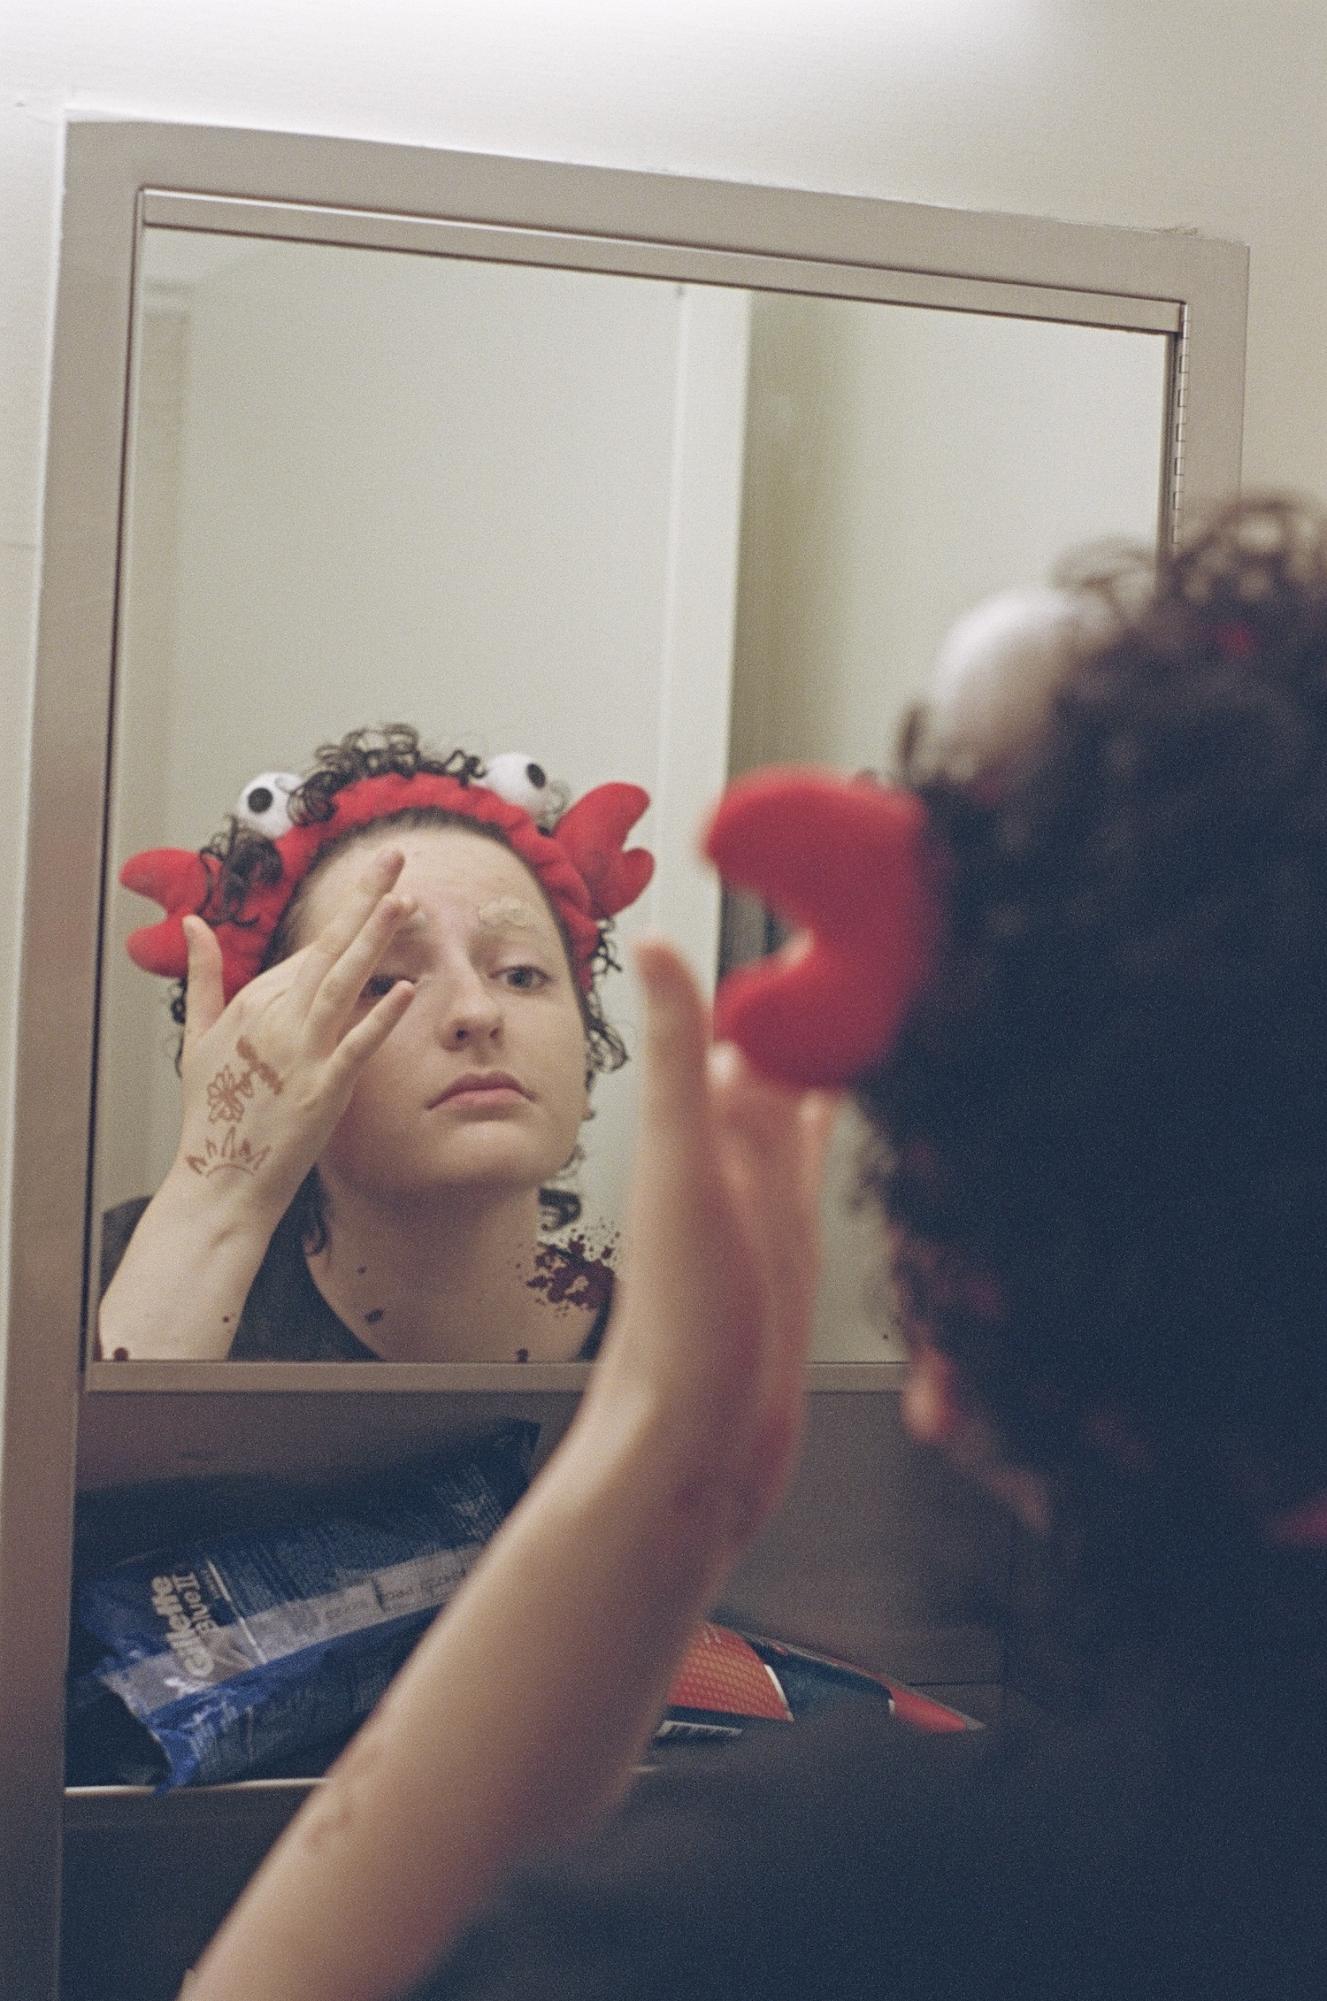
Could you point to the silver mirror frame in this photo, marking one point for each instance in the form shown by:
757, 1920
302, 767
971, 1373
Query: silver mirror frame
117, 174
475, 206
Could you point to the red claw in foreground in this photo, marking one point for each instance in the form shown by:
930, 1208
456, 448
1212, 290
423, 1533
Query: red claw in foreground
847, 861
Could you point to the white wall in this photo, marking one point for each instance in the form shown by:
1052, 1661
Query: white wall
1201, 114
900, 465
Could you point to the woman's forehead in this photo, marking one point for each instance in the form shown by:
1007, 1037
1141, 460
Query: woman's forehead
448, 869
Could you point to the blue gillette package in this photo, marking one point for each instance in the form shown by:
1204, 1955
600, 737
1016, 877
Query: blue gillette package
207, 1660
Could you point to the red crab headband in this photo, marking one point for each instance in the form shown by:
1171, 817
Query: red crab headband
581, 866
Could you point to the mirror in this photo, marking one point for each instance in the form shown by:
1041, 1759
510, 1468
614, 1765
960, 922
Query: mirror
369, 486
642, 478
373, 487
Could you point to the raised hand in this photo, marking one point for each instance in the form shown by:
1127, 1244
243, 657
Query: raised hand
266, 1079
516, 1720
709, 1341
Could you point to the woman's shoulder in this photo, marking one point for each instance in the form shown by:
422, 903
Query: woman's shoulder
284, 1319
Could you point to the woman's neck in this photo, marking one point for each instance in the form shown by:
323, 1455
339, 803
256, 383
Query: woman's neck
445, 1280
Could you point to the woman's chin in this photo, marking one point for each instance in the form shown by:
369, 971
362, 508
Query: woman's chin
474, 1180
483, 1157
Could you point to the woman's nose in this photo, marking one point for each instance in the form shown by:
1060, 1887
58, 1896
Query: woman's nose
470, 1013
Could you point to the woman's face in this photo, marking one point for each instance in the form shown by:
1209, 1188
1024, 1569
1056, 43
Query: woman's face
481, 1085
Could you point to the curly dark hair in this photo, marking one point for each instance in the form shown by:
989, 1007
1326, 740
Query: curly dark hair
1101, 1140
246, 858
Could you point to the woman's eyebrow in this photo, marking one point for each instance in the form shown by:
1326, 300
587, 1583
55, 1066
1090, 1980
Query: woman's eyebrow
506, 913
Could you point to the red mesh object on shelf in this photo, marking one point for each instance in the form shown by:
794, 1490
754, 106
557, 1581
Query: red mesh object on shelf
728, 1681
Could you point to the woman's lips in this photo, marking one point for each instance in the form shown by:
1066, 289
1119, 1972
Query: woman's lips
488, 1086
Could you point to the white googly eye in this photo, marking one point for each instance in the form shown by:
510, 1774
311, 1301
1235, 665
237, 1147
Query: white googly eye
264, 804
521, 782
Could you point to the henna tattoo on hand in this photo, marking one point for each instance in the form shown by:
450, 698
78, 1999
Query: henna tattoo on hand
227, 1098
226, 1094
241, 1155
258, 1067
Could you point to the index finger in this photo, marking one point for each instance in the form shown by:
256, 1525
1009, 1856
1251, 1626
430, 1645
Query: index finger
362, 900
674, 1090
775, 1112
774, 1137
673, 1168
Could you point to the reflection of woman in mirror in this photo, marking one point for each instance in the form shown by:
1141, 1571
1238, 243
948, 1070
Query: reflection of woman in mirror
391, 1020
1074, 969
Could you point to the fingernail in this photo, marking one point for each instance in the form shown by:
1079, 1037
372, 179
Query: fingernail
382, 867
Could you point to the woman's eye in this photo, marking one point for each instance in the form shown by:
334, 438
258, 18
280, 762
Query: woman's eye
379, 984
524, 979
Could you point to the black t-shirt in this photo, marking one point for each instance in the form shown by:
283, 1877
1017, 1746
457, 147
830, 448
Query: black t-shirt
1171, 1848
285, 1317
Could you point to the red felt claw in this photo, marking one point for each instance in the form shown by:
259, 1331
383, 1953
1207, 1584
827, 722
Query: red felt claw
591, 834
178, 880
848, 862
